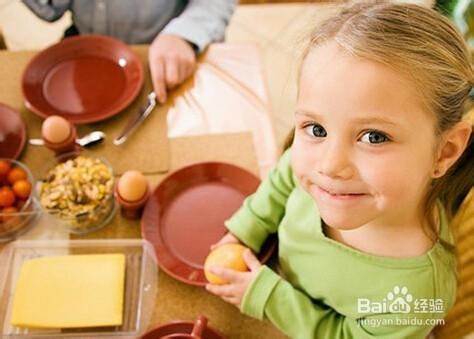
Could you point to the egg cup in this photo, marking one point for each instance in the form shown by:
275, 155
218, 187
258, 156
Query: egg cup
132, 209
67, 146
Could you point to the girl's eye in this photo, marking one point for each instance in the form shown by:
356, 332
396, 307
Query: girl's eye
315, 130
374, 137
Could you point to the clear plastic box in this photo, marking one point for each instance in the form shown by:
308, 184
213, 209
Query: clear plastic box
141, 280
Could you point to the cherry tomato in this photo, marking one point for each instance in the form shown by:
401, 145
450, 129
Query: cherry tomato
22, 189
8, 214
4, 168
16, 174
20, 203
9, 210
7, 197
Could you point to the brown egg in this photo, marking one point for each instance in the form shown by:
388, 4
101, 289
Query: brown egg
55, 129
132, 186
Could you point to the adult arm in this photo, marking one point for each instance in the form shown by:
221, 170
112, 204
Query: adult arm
48, 10
173, 52
202, 22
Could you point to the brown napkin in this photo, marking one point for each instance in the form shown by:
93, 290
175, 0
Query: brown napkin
146, 149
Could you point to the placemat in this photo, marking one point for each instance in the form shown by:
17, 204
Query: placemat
147, 148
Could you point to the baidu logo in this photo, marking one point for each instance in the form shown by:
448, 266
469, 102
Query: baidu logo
397, 301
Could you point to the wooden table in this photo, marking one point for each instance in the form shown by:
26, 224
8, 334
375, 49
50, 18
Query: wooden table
175, 300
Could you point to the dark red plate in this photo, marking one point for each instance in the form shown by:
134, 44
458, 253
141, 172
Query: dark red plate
180, 327
12, 132
85, 79
185, 215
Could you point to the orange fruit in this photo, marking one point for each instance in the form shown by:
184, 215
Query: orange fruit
227, 255
16, 174
22, 189
7, 197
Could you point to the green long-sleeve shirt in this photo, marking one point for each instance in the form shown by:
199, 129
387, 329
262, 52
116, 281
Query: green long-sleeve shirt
331, 290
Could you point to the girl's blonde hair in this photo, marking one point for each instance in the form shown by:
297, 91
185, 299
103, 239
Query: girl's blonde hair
426, 47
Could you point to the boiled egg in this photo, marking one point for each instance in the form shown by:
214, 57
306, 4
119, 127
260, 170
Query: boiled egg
132, 186
56, 129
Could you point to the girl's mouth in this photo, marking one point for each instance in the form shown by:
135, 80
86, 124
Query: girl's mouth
340, 196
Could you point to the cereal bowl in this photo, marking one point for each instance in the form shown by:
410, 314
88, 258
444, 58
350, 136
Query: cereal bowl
77, 188
18, 205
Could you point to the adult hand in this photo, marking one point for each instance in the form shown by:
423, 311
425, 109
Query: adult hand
172, 60
237, 282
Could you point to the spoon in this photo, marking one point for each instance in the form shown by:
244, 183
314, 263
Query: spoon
92, 138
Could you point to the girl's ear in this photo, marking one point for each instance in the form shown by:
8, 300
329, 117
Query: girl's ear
452, 146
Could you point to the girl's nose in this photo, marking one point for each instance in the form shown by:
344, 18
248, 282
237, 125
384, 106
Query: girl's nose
335, 162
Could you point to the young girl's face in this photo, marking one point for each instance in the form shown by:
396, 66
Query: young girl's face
364, 146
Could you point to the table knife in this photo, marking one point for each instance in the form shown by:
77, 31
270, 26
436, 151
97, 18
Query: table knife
137, 119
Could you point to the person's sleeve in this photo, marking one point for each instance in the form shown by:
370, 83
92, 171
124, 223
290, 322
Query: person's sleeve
202, 22
48, 10
298, 316
261, 213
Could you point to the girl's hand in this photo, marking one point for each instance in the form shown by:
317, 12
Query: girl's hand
234, 290
229, 238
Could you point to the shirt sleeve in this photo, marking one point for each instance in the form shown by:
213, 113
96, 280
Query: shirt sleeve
262, 212
298, 316
48, 10
202, 21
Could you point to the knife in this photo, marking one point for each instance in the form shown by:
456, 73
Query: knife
137, 119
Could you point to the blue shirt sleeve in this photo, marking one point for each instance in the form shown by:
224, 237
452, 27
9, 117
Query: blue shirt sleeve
202, 22
48, 10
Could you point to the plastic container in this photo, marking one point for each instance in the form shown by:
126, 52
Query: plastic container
14, 224
141, 279
81, 220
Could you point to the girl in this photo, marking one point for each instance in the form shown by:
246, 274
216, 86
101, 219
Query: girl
380, 161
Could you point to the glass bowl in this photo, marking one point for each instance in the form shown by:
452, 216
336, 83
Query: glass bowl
77, 188
13, 223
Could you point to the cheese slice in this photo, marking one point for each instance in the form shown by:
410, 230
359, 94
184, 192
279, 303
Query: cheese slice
70, 291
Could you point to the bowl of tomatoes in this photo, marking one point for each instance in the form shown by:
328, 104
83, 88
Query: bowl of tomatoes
18, 206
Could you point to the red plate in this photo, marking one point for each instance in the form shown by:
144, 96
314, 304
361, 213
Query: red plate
12, 132
185, 215
85, 79
180, 327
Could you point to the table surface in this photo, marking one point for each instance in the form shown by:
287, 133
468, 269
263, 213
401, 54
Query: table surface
175, 300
